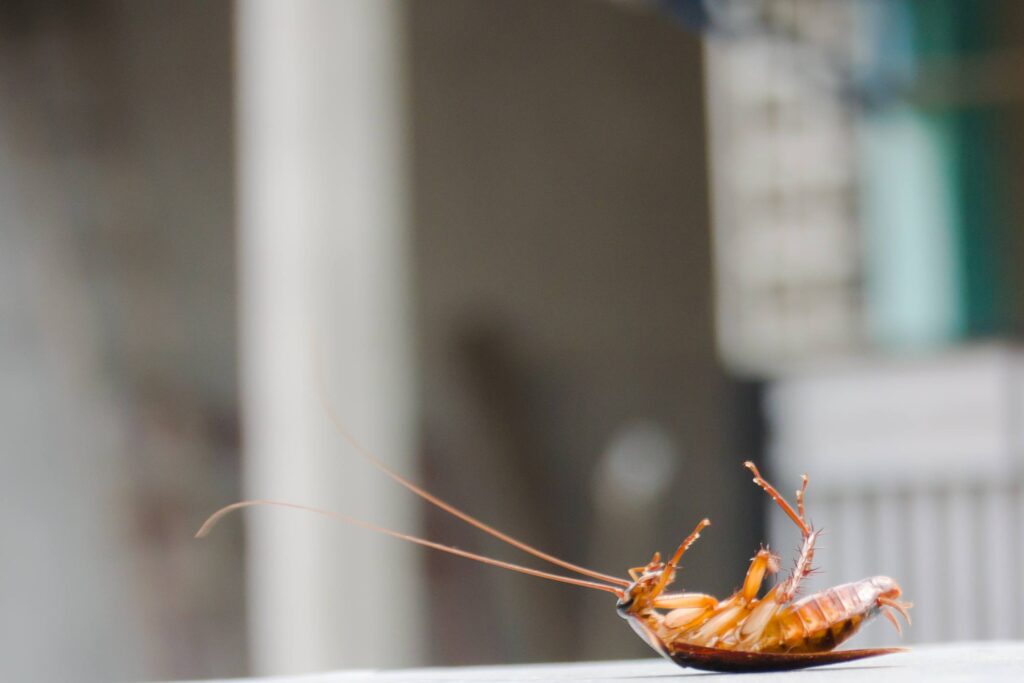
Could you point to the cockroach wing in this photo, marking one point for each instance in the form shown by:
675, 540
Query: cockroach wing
715, 659
649, 637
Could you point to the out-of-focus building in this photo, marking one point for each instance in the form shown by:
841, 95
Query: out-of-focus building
117, 342
867, 243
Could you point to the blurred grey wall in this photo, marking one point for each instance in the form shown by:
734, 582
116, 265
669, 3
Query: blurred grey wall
117, 402
564, 295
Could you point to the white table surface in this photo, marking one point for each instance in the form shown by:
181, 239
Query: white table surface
987, 661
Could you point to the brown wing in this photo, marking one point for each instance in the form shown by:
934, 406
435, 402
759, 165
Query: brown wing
714, 659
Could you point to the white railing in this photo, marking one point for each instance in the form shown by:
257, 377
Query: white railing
916, 472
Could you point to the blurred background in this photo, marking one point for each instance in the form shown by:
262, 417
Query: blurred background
567, 264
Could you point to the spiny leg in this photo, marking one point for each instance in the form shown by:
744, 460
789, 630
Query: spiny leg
788, 588
802, 568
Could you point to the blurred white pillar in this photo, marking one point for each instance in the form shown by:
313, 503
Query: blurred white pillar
323, 239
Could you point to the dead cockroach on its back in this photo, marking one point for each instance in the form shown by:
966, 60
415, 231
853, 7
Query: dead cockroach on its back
743, 632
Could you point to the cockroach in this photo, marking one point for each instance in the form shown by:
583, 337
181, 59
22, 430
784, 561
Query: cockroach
743, 633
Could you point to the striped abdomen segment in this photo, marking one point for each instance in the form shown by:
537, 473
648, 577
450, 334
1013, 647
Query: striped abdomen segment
821, 621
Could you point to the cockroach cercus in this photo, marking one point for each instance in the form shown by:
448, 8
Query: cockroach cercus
744, 632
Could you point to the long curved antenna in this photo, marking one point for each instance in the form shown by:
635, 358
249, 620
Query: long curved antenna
447, 507
216, 517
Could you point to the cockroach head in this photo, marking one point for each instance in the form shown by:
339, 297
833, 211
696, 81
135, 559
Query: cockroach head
639, 595
625, 602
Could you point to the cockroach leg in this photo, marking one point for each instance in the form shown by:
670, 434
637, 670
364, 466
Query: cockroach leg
762, 563
800, 498
687, 610
789, 587
681, 600
670, 568
654, 565
777, 497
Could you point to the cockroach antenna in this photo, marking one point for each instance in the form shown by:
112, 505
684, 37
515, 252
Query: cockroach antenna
212, 520
367, 455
